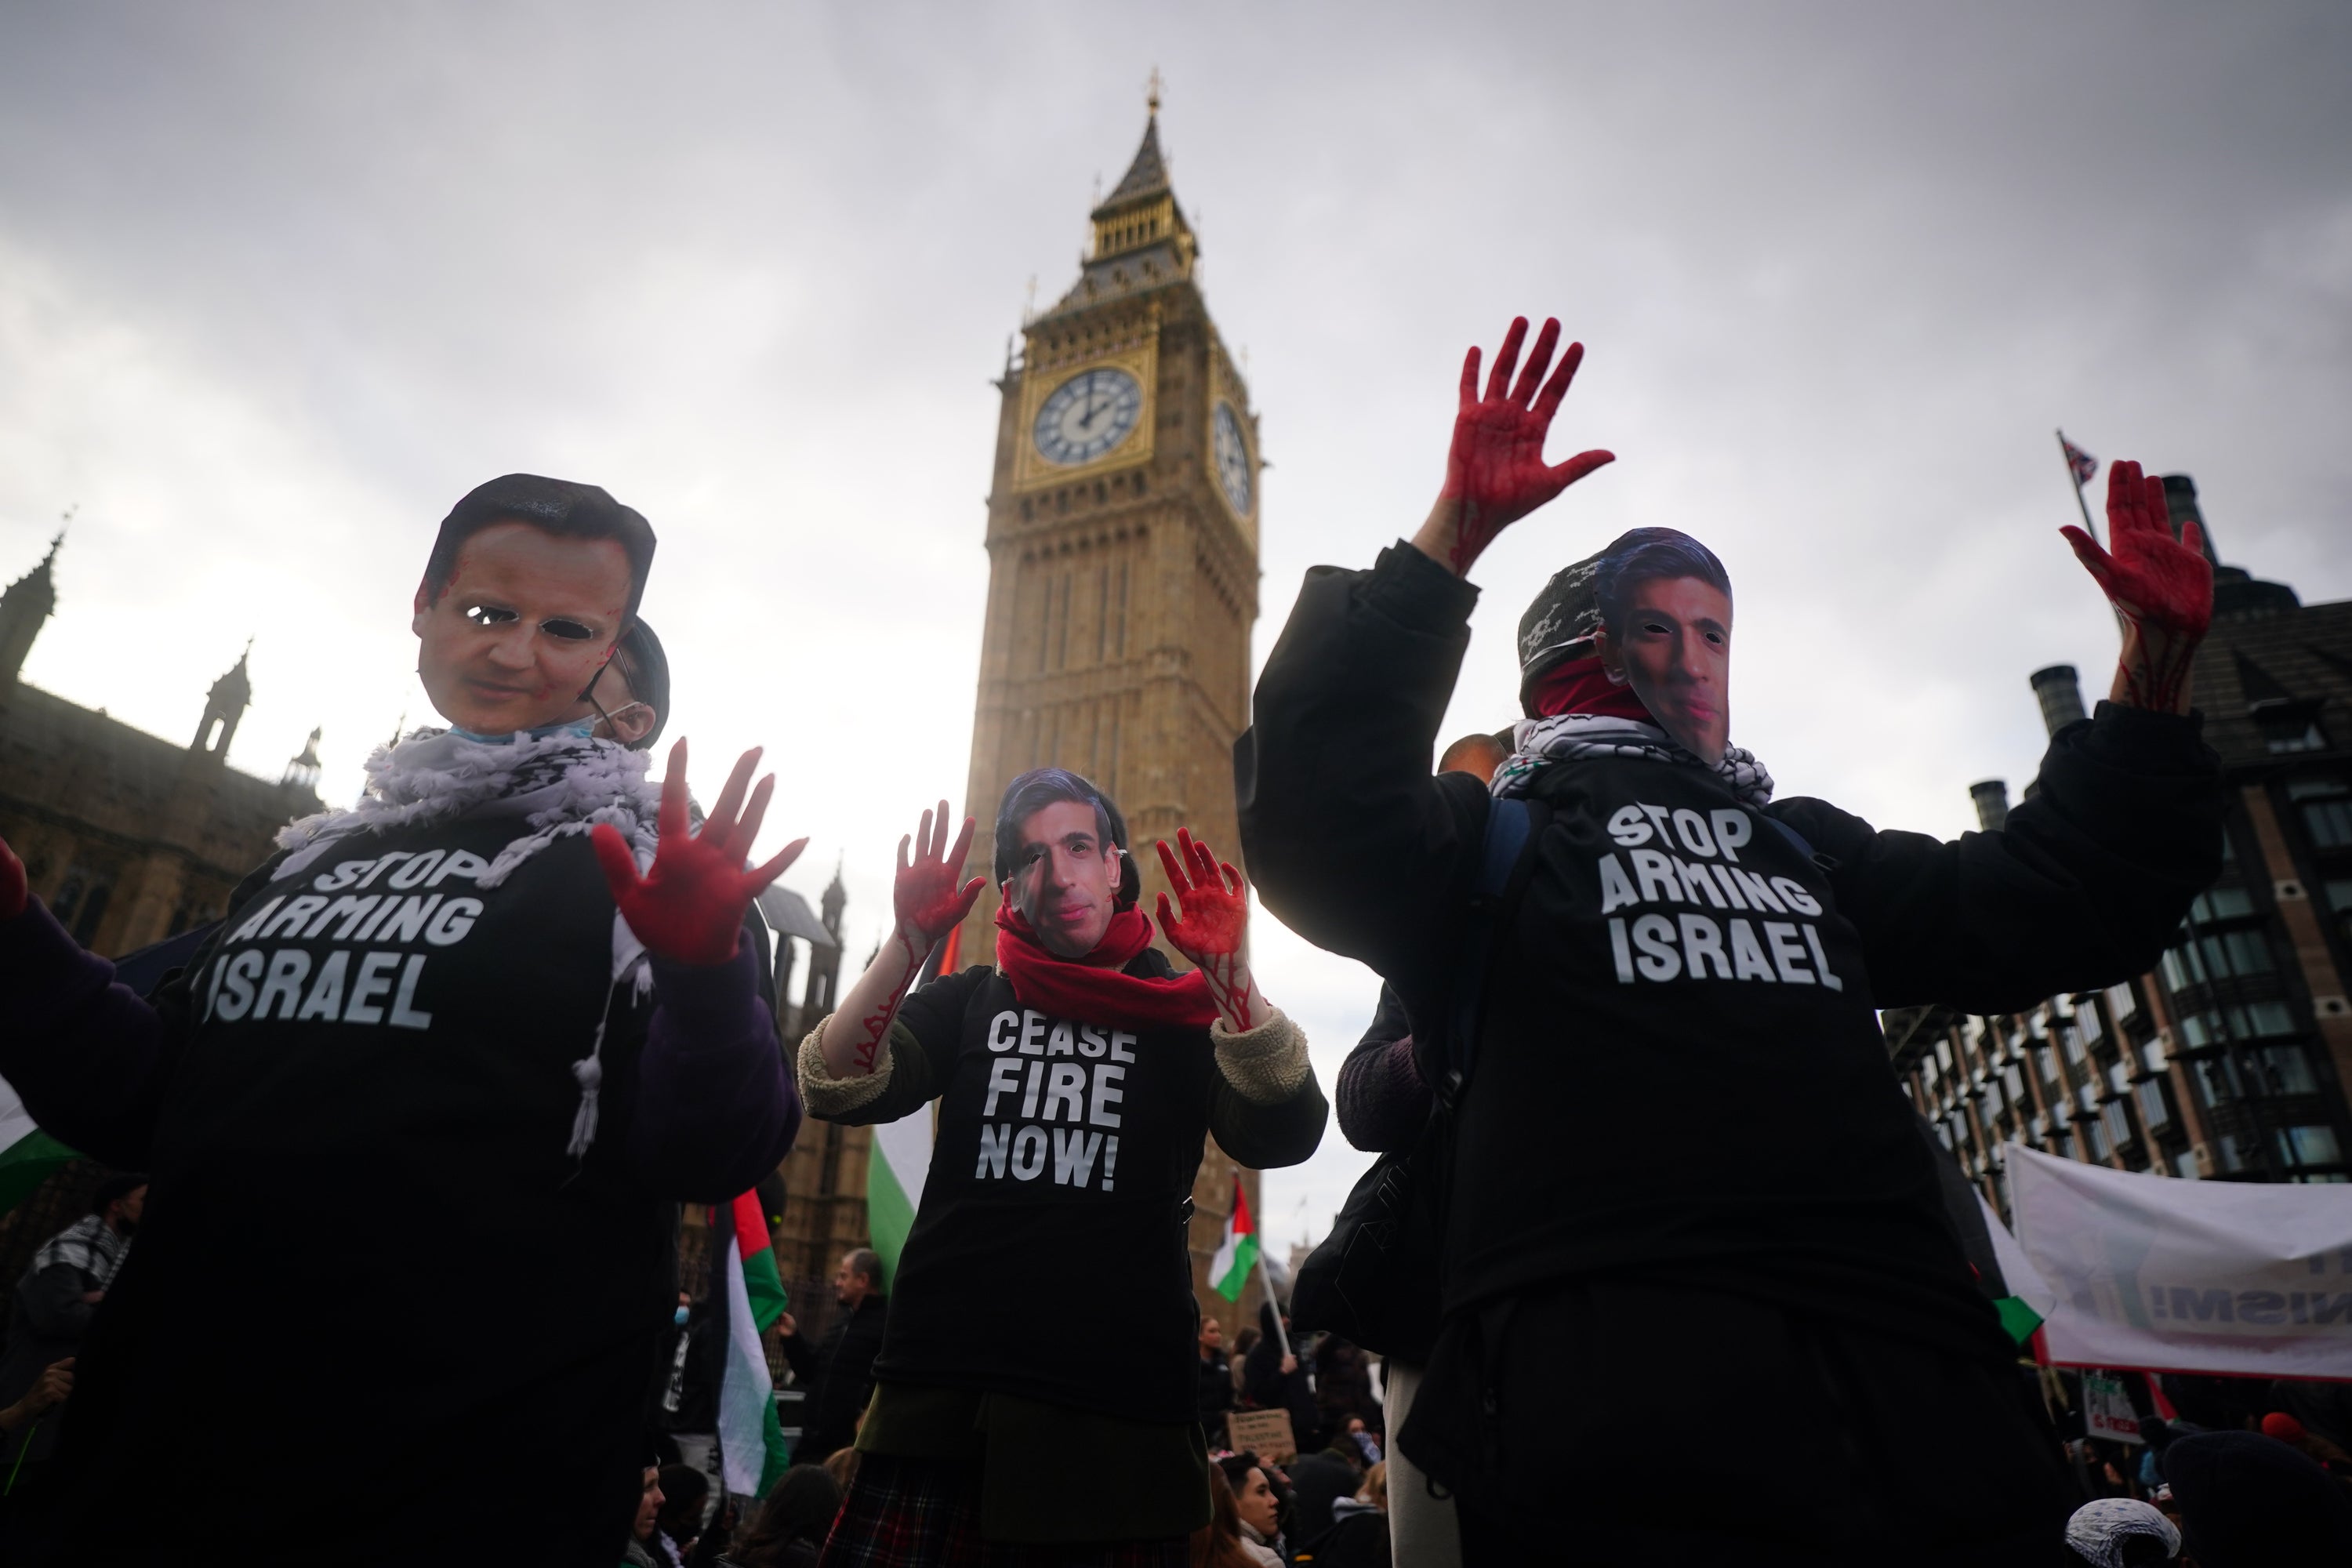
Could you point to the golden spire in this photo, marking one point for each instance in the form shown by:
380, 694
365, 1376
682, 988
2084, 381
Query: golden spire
1151, 93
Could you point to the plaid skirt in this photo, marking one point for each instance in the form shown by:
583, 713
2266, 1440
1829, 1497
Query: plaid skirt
925, 1513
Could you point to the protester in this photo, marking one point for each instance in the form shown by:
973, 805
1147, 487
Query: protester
839, 1371
1343, 1387
790, 1529
1274, 1378
1319, 1479
685, 1492
1216, 1382
2121, 1533
2251, 1501
1679, 945
49, 1314
1076, 1080
1222, 1542
685, 1381
1358, 1536
51, 1389
644, 1547
1257, 1507
536, 1024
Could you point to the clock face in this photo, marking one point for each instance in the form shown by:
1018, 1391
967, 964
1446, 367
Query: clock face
1088, 416
1232, 458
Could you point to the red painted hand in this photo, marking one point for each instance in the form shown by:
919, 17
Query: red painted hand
928, 902
12, 883
1495, 472
689, 906
1213, 932
2161, 586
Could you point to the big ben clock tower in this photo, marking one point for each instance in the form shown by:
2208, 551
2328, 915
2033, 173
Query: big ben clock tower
1122, 547
1122, 541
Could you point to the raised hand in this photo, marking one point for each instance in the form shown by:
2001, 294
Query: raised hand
12, 883
1494, 472
928, 902
689, 906
1214, 929
2162, 587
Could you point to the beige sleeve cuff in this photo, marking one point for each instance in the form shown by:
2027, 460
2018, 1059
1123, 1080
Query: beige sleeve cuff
1265, 1064
825, 1096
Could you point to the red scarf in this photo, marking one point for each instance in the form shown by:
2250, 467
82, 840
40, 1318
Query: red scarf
1581, 685
1093, 989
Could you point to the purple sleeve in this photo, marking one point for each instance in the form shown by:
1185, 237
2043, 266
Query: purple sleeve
716, 1109
1384, 1104
87, 1056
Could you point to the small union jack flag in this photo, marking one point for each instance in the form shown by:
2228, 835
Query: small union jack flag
2084, 466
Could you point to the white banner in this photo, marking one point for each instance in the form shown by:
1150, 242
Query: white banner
2163, 1274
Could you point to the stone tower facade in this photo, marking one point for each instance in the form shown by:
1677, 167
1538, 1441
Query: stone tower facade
1123, 566
1122, 542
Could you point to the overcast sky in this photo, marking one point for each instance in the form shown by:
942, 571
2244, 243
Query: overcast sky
277, 283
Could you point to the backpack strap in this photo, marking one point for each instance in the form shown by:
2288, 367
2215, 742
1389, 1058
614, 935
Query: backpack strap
1507, 862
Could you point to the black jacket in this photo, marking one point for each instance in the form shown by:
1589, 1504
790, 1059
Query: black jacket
1063, 1138
1680, 1073
839, 1374
1216, 1387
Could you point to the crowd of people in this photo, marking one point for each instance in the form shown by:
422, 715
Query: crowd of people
519, 1000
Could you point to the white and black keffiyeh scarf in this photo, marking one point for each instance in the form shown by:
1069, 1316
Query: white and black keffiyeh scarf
1538, 744
89, 1245
552, 786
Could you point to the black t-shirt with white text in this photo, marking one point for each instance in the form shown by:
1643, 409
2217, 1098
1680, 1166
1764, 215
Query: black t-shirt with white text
1050, 1254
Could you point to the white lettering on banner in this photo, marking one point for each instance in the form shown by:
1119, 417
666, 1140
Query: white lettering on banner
348, 909
288, 920
1107, 1093
326, 998
1658, 948
1616, 887
375, 980
461, 863
1091, 1041
1032, 1033
1002, 1028
454, 920
383, 863
252, 922
1062, 1042
1074, 1155
1003, 1079
404, 1016
1066, 1086
419, 867
237, 976
1119, 1040
1029, 1096
995, 1142
289, 967
345, 873
2240, 1278
1028, 1154
409, 919
1691, 827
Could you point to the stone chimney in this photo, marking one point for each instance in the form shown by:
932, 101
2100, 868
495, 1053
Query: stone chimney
2060, 695
1992, 804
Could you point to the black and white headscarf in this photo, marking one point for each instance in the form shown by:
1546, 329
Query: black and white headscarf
89, 1245
552, 786
1536, 743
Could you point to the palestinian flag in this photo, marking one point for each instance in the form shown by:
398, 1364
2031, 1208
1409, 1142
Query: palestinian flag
900, 1156
2028, 1299
1229, 1270
751, 1450
27, 1155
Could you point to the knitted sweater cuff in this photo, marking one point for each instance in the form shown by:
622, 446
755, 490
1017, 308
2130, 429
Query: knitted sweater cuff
826, 1096
1265, 1065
